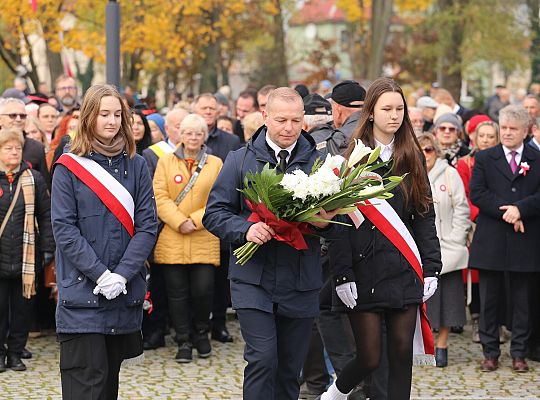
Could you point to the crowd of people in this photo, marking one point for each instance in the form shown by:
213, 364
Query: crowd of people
118, 223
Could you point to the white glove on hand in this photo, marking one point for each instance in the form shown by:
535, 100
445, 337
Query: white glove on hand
347, 293
110, 285
430, 286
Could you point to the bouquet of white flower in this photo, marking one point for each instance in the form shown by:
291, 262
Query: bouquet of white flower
289, 202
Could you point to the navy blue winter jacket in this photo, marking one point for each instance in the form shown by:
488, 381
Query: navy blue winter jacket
226, 217
90, 240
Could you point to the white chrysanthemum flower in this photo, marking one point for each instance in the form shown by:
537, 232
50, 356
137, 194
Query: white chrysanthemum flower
324, 182
292, 180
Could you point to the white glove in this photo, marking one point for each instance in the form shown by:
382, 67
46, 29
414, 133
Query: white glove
430, 286
347, 293
110, 285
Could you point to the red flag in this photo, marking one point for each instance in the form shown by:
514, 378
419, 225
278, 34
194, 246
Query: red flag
34, 5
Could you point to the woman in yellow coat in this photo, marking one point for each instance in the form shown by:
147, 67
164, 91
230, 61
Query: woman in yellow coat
186, 251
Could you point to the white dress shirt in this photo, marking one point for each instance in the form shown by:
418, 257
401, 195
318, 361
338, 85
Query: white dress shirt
277, 149
386, 150
508, 153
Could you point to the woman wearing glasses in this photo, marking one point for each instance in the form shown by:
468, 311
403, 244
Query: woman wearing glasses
449, 133
447, 306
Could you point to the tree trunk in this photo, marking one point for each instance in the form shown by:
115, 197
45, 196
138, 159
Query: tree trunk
56, 67
281, 73
534, 50
381, 12
209, 73
86, 77
452, 60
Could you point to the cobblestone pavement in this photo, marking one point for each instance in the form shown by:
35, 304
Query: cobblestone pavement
220, 376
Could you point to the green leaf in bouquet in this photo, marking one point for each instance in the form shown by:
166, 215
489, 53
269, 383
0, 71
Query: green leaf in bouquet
339, 203
316, 219
386, 195
316, 165
374, 155
375, 167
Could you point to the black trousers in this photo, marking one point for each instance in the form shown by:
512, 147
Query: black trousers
90, 364
189, 291
275, 350
518, 294
221, 291
156, 322
15, 313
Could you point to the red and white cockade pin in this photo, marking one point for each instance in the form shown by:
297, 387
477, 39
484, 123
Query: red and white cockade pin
524, 168
178, 179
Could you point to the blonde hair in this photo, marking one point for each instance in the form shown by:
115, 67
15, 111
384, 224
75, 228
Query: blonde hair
194, 122
9, 134
252, 122
86, 131
493, 124
429, 138
39, 126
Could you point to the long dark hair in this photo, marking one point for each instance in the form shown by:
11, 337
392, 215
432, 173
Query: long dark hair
146, 140
407, 154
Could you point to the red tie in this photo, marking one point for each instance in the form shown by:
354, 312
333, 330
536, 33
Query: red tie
189, 164
513, 164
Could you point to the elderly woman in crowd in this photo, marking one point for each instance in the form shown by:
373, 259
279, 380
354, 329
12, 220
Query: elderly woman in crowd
187, 252
485, 134
448, 130
447, 306
24, 205
34, 130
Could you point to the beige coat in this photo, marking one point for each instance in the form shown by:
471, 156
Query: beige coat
173, 247
451, 215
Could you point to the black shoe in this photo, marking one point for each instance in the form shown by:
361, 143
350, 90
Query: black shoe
441, 357
153, 341
3, 363
184, 353
14, 363
204, 348
456, 329
222, 335
26, 354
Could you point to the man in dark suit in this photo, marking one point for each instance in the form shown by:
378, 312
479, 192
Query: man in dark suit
505, 186
276, 294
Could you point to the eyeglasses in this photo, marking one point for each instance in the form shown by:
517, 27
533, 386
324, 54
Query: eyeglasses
15, 115
450, 129
428, 149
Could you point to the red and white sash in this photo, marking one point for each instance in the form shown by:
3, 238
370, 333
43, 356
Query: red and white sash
111, 192
384, 217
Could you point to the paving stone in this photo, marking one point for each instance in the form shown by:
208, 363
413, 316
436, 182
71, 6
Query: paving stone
220, 377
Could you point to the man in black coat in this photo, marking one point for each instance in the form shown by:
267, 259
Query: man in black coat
276, 294
505, 186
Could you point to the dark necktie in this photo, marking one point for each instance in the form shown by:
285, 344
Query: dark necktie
283, 154
513, 163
